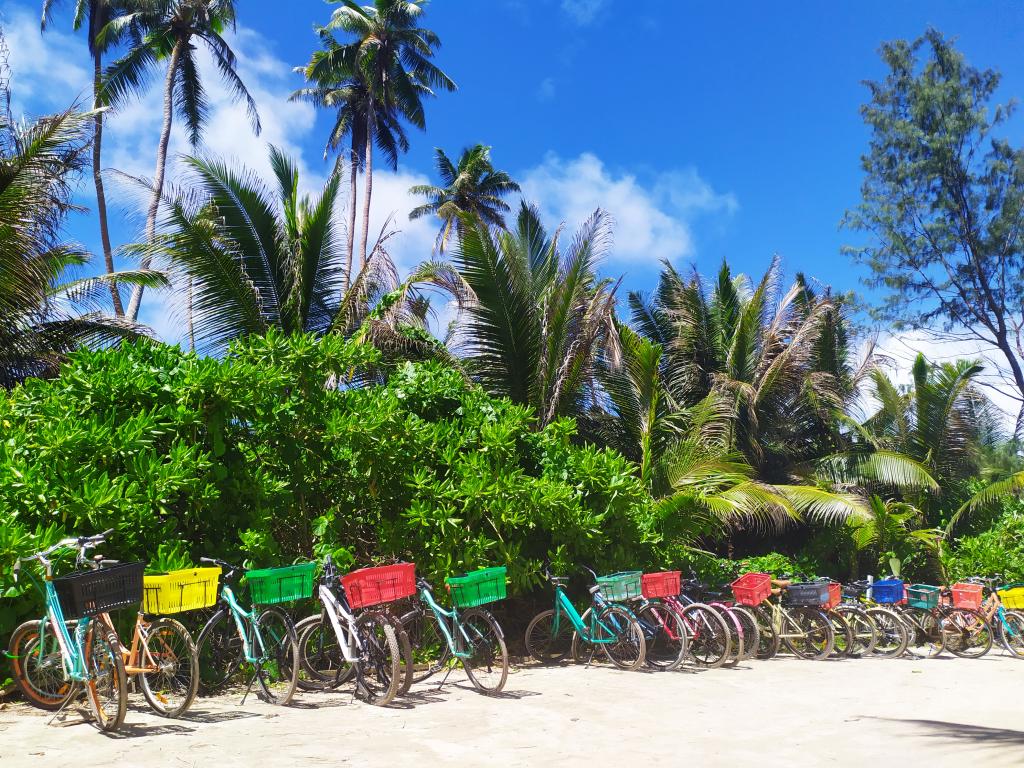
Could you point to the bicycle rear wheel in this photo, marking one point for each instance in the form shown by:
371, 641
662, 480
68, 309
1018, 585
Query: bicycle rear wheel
322, 665
734, 627
171, 687
39, 676
380, 665
862, 628
751, 629
487, 665
105, 687
404, 651
219, 649
547, 642
708, 640
665, 635
891, 633
621, 637
430, 649
768, 643
926, 639
965, 633
843, 644
1011, 635
277, 670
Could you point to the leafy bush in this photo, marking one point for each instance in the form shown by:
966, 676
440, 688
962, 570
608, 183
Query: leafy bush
997, 550
270, 455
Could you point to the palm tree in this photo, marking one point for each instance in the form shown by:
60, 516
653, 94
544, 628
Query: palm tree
541, 316
392, 56
261, 255
779, 356
40, 321
337, 85
473, 186
168, 30
95, 15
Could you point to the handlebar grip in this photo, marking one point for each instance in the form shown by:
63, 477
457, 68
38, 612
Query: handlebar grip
207, 560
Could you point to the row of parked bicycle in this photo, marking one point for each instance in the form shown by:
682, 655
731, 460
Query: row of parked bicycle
359, 634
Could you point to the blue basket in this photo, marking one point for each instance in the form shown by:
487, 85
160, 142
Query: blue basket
887, 591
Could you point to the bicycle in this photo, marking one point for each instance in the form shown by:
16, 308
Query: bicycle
663, 627
466, 634
962, 631
554, 633
707, 636
742, 630
81, 652
1010, 625
335, 645
264, 642
891, 633
800, 625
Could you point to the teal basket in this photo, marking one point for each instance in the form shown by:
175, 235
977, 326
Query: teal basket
478, 588
923, 596
625, 585
269, 586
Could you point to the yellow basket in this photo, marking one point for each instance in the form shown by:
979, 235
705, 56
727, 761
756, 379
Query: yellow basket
1012, 596
178, 591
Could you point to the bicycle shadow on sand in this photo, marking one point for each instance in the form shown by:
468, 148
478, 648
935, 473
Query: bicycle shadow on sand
982, 735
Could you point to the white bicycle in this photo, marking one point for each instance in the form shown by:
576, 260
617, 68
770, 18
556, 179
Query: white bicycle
336, 646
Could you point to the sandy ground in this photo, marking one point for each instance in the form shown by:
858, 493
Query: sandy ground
935, 712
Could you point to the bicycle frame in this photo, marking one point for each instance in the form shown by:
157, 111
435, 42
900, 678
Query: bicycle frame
72, 649
781, 619
564, 605
348, 639
242, 619
442, 617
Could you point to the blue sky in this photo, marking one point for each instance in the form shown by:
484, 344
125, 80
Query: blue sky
708, 130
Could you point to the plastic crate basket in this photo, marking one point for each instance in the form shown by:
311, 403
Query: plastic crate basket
923, 596
811, 594
625, 585
478, 588
269, 586
752, 588
185, 590
384, 584
663, 584
966, 595
1012, 596
887, 591
89, 593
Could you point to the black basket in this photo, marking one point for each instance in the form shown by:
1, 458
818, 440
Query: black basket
810, 595
89, 593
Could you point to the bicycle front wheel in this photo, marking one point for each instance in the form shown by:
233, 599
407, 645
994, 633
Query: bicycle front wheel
751, 630
864, 635
735, 630
220, 653
966, 633
105, 685
430, 651
380, 663
842, 646
547, 641
814, 638
926, 638
38, 673
708, 641
322, 665
277, 648
665, 635
620, 637
172, 678
891, 633
487, 665
1011, 634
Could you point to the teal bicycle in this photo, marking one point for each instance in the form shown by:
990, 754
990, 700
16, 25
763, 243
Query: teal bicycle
70, 651
262, 643
466, 634
555, 633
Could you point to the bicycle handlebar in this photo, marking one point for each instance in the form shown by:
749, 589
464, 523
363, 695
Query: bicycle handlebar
230, 567
81, 543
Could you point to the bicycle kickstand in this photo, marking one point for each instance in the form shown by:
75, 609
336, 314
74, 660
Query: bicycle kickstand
248, 688
77, 689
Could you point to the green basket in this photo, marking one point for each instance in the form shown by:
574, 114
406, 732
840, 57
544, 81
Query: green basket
269, 586
923, 596
621, 586
478, 588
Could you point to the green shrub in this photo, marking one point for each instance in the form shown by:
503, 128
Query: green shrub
997, 550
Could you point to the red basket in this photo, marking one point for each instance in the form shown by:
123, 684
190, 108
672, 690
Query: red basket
835, 595
663, 584
752, 588
967, 596
373, 586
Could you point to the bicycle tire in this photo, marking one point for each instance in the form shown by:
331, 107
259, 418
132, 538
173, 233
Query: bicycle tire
863, 630
545, 643
926, 640
966, 633
322, 665
379, 672
665, 635
171, 688
1013, 641
708, 642
220, 653
768, 643
630, 647
487, 666
891, 633
277, 671
404, 650
842, 644
40, 681
818, 637
735, 628
106, 686
427, 641
751, 631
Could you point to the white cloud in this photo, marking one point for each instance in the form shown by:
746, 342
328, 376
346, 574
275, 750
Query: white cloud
583, 12
546, 89
902, 348
48, 72
651, 222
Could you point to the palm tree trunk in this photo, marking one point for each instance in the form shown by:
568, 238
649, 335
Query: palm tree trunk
353, 173
188, 313
97, 176
158, 177
368, 170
